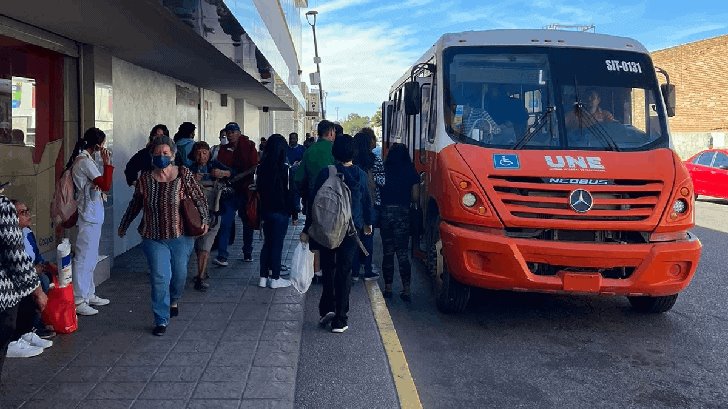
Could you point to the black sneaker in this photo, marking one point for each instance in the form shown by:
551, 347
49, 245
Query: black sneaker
220, 261
387, 294
45, 333
248, 258
371, 276
201, 285
337, 327
159, 330
326, 319
174, 311
405, 296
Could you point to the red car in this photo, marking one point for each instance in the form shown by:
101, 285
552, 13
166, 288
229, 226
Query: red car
709, 170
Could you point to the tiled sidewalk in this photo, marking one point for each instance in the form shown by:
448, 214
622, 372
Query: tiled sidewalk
235, 346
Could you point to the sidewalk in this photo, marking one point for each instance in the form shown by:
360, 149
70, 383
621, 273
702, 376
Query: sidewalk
235, 346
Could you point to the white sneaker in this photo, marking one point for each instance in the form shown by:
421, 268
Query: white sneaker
96, 300
318, 273
263, 282
280, 283
33, 339
22, 349
85, 309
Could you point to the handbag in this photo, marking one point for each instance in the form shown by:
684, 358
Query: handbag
252, 214
191, 218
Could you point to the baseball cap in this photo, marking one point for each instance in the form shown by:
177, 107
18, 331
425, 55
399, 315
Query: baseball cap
232, 126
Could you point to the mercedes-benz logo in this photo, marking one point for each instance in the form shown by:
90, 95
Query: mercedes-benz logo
581, 201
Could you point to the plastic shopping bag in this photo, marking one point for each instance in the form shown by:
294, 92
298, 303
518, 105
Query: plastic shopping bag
60, 312
302, 268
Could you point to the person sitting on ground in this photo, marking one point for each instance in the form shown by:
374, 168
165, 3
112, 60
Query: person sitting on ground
184, 138
142, 160
207, 171
336, 263
576, 119
272, 185
20, 290
166, 247
46, 270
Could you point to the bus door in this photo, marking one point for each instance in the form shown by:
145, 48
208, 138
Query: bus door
422, 149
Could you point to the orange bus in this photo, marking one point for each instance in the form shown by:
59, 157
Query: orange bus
546, 165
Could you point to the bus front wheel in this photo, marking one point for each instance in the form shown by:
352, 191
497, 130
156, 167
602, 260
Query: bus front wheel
654, 305
450, 295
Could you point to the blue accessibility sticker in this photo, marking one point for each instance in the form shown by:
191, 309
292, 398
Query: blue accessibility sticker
506, 161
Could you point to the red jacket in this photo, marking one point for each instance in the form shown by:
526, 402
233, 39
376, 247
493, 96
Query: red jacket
240, 159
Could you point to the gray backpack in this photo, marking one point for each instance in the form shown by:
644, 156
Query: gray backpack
331, 213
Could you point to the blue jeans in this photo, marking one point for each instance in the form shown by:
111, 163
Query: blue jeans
229, 206
359, 259
167, 261
275, 227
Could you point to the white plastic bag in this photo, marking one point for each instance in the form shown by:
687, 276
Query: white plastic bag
302, 268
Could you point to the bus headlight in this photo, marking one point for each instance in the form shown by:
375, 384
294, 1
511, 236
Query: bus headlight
680, 206
469, 200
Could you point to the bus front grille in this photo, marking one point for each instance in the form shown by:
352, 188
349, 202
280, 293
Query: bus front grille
620, 200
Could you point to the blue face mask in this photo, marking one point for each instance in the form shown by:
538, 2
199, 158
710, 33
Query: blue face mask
161, 161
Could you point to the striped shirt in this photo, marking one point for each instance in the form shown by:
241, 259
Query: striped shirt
17, 274
161, 203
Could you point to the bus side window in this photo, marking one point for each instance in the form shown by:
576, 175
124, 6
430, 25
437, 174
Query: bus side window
424, 121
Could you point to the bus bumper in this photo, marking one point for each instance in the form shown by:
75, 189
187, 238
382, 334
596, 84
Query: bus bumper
494, 261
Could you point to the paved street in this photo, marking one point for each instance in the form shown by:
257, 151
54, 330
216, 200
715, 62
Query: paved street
534, 350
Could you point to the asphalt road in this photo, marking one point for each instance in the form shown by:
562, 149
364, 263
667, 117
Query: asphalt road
539, 351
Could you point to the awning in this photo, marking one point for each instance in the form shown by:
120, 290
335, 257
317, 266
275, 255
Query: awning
145, 33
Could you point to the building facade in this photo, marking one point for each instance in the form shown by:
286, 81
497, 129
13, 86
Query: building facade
124, 66
698, 71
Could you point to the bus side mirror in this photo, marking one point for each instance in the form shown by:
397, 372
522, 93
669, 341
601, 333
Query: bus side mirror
412, 98
668, 94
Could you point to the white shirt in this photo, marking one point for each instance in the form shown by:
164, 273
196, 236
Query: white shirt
88, 195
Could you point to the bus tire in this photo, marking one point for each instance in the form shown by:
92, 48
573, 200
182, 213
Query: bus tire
450, 296
653, 305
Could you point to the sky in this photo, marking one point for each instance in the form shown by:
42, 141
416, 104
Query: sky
366, 45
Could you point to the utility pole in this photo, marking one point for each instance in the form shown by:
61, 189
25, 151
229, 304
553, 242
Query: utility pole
317, 59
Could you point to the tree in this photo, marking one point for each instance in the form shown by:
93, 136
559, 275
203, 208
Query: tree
354, 123
377, 118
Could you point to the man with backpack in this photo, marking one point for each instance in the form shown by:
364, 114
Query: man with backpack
340, 205
317, 157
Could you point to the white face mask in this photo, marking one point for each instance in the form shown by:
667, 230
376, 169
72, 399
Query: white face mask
223, 140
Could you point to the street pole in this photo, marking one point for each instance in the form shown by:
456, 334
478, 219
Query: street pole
317, 60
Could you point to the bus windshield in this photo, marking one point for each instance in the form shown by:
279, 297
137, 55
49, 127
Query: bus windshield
553, 98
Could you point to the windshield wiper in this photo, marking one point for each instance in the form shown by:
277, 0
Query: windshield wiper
526, 137
594, 124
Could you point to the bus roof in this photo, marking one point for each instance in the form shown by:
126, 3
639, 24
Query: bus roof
523, 37
555, 38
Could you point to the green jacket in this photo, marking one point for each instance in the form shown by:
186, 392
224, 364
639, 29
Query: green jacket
317, 157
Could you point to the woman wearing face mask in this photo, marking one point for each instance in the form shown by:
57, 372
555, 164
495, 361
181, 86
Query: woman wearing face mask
158, 193
90, 184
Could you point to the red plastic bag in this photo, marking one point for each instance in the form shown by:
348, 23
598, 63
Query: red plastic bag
60, 312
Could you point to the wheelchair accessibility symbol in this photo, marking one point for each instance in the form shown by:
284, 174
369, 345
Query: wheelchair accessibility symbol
506, 161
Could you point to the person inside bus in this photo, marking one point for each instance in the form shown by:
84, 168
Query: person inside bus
507, 112
499, 117
576, 117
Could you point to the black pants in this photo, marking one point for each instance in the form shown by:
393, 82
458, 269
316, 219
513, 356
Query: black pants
27, 316
336, 269
395, 241
7, 331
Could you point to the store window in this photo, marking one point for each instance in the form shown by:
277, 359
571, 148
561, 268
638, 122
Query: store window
31, 95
